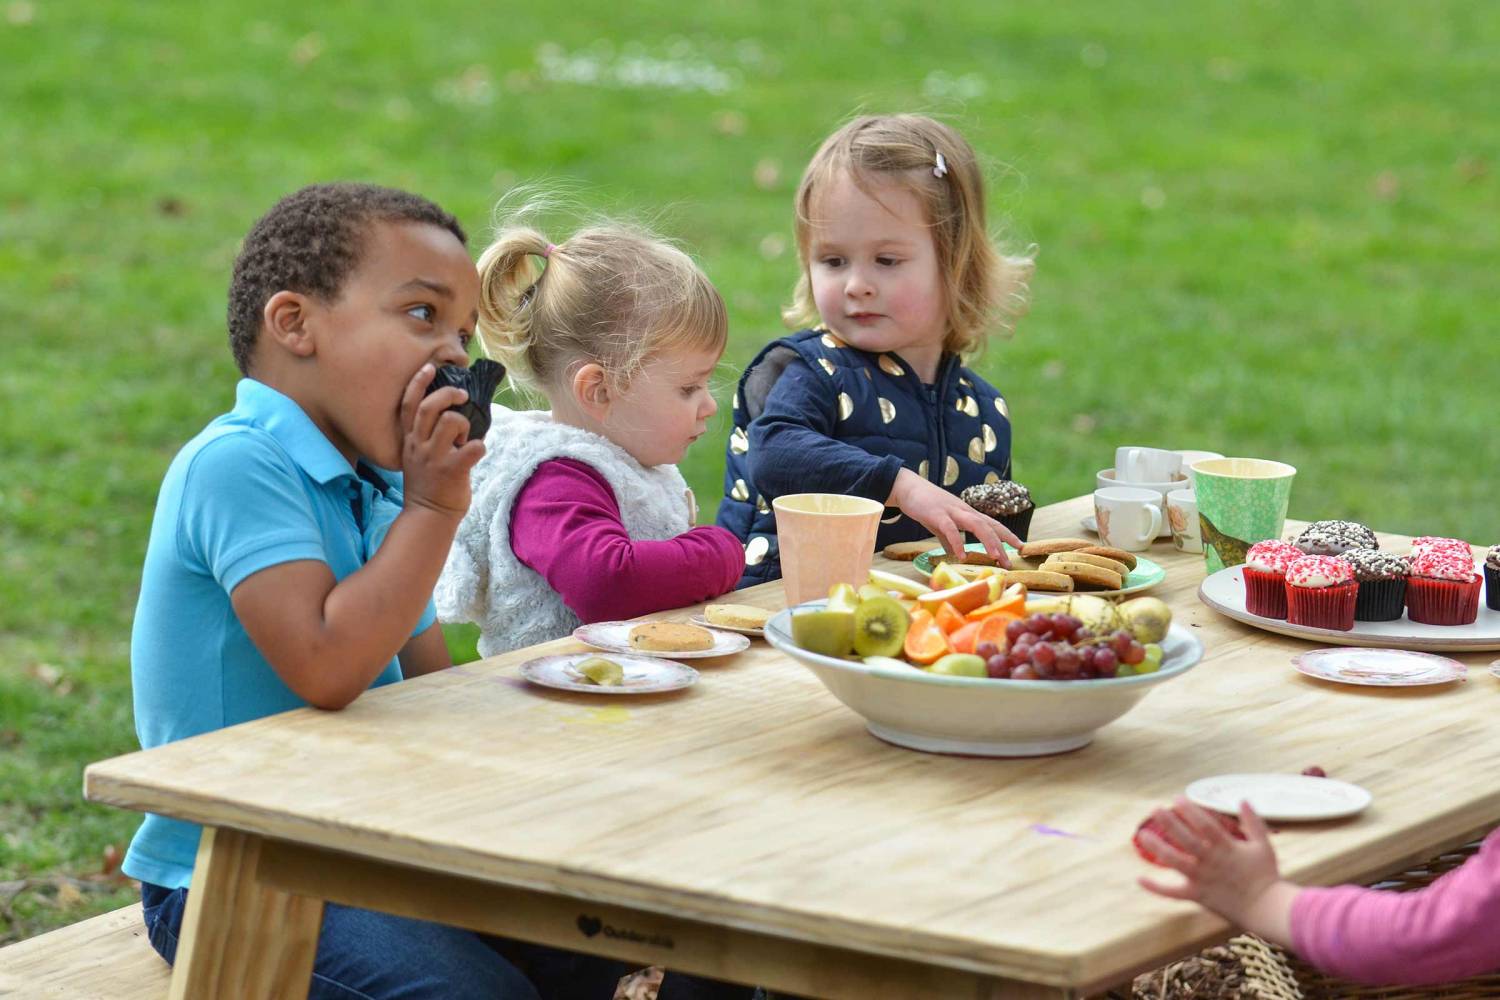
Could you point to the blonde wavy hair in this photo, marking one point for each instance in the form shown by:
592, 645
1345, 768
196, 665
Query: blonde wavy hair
612, 294
985, 290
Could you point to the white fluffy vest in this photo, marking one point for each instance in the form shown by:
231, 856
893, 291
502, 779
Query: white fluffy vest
483, 581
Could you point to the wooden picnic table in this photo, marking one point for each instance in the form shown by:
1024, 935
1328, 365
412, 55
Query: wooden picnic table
749, 828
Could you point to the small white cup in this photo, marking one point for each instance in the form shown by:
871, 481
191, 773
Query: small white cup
1189, 457
1182, 515
1129, 518
1134, 464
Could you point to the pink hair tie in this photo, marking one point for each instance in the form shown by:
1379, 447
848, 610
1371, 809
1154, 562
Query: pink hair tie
548, 252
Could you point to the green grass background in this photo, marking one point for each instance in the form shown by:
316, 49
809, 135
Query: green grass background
1264, 228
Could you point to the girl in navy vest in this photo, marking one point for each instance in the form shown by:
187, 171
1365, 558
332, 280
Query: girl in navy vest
900, 283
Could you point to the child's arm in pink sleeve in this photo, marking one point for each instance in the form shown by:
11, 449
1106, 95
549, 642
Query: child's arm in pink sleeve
1442, 932
566, 525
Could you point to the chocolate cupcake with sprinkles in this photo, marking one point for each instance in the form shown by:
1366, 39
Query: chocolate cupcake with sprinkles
1333, 538
1492, 578
1382, 584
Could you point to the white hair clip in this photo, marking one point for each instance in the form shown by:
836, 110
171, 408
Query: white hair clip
941, 170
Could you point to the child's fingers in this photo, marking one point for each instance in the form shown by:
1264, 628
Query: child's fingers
1182, 834
1255, 827
1207, 827
1168, 854
987, 531
411, 396
1182, 890
432, 409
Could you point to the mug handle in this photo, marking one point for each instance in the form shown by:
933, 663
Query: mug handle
1125, 472
1153, 514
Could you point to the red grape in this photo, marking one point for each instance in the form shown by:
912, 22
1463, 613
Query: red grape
1025, 672
1315, 772
987, 650
1105, 661
1043, 655
1133, 654
998, 666
1015, 630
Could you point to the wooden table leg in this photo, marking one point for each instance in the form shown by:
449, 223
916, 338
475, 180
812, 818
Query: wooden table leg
239, 937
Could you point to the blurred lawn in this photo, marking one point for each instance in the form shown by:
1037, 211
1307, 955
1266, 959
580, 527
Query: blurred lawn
1264, 228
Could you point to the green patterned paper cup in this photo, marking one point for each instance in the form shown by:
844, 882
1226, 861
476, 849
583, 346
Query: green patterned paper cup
1241, 501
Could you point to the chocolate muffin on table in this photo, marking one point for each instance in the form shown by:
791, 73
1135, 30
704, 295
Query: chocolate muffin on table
1492, 578
1382, 584
1006, 501
1332, 538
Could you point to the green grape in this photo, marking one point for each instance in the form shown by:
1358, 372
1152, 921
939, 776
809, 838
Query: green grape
1152, 663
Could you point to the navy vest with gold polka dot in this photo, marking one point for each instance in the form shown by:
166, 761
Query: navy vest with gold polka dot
815, 415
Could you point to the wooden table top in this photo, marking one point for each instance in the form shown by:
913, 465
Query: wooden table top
757, 801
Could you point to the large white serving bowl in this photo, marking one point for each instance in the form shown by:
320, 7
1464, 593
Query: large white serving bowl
976, 715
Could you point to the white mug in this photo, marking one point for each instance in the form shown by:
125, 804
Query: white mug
1189, 457
1129, 518
1182, 514
1135, 464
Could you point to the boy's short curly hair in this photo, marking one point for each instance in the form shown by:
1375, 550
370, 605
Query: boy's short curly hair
310, 242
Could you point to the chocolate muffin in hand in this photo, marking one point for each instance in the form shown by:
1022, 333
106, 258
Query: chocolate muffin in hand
1006, 501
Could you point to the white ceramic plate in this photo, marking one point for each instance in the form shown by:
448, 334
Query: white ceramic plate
615, 637
1091, 525
643, 674
756, 632
1224, 591
1283, 798
1379, 667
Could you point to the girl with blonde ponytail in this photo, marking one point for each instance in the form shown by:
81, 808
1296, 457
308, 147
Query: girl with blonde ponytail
579, 512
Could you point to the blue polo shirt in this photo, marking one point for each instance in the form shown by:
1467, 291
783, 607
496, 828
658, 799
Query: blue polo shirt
259, 486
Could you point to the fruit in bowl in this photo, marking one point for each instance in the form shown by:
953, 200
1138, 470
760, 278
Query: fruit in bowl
932, 697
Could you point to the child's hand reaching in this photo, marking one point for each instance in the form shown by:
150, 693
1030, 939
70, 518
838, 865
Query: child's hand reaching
948, 517
1237, 879
435, 461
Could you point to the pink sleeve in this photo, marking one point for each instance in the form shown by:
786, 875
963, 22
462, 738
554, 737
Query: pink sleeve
1442, 932
566, 525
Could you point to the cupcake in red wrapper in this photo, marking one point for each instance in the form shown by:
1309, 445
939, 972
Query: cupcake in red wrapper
1321, 593
1443, 588
1382, 584
1265, 577
1492, 578
1431, 543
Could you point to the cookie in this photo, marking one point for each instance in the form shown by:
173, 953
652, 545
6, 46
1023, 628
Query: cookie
907, 551
1078, 555
1047, 546
1085, 575
1118, 555
736, 615
1035, 579
670, 637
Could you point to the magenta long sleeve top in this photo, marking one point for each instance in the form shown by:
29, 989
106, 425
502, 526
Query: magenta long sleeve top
566, 525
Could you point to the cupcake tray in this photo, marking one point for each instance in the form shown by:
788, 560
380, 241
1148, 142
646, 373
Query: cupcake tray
1224, 591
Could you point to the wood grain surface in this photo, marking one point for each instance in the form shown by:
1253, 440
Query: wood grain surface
756, 802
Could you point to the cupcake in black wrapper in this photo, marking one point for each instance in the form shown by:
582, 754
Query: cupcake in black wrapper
1492, 578
1006, 501
479, 380
1382, 584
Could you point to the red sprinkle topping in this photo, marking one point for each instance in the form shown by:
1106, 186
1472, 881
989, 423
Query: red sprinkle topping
1319, 571
1444, 564
1433, 543
1272, 556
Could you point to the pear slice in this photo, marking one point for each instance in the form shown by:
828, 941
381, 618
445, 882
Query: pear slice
598, 670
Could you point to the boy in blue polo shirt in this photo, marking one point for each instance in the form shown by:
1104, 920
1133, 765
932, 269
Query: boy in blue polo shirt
284, 568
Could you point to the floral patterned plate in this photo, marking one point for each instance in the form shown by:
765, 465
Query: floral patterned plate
1379, 667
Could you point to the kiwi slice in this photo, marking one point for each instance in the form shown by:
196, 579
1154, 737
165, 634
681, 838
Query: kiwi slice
605, 673
880, 625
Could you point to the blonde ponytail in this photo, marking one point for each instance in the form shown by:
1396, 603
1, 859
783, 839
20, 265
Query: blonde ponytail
508, 274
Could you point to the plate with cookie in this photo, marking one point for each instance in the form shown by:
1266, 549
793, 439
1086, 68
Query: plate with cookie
742, 618
590, 673
673, 640
1066, 565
